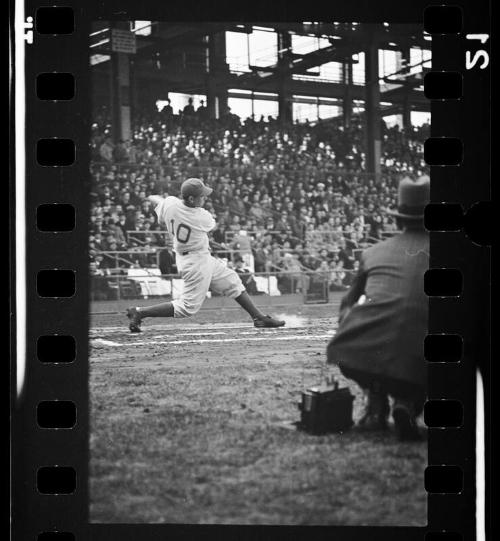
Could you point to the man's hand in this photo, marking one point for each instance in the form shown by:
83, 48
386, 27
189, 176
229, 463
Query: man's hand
156, 199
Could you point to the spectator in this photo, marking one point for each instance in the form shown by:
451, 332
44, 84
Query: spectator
338, 276
292, 278
106, 150
247, 277
202, 111
188, 109
167, 111
243, 246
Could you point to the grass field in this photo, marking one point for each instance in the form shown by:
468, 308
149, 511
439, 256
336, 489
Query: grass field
192, 421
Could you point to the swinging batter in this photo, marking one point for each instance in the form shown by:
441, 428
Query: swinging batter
189, 225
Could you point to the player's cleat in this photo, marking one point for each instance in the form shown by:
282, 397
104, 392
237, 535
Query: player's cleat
135, 319
267, 321
405, 422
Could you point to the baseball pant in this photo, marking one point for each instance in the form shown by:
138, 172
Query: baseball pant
201, 272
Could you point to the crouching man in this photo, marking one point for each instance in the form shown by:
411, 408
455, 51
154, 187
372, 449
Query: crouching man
379, 343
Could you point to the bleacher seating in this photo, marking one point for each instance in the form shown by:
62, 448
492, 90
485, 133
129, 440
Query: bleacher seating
297, 190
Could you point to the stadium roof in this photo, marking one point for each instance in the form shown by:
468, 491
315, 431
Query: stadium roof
165, 43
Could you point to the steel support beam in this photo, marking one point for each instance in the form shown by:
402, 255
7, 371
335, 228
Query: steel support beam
406, 109
284, 77
120, 92
372, 109
347, 99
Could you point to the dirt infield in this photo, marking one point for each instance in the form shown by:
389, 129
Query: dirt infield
192, 422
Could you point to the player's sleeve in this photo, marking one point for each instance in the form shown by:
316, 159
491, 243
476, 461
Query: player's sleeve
156, 199
207, 221
162, 207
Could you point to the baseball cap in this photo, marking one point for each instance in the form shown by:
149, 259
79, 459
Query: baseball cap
194, 187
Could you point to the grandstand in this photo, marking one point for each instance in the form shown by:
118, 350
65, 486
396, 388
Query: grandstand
303, 130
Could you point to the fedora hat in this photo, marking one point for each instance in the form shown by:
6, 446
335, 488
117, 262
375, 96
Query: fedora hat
413, 196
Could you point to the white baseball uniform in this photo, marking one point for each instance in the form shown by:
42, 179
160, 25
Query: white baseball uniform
199, 269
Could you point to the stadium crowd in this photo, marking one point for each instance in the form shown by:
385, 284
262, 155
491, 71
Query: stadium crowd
295, 197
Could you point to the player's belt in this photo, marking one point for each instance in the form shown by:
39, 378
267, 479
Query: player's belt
190, 252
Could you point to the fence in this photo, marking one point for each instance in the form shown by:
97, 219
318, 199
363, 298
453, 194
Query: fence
325, 236
119, 259
143, 284
161, 238
324, 239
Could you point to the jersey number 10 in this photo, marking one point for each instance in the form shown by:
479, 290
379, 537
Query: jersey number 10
183, 232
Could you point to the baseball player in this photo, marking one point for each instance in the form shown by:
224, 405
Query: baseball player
189, 225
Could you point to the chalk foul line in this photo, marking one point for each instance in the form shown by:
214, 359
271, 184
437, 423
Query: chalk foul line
150, 342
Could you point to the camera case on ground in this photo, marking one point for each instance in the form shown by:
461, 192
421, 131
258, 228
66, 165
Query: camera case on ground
326, 408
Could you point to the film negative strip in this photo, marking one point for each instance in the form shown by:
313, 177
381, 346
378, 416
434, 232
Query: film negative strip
65, 440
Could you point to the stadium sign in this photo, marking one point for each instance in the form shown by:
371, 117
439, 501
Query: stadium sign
123, 41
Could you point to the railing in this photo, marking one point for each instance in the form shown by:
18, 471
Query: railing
328, 234
253, 233
123, 259
129, 258
313, 285
326, 238
165, 237
151, 258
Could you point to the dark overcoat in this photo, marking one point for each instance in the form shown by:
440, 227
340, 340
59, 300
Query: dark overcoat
384, 336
